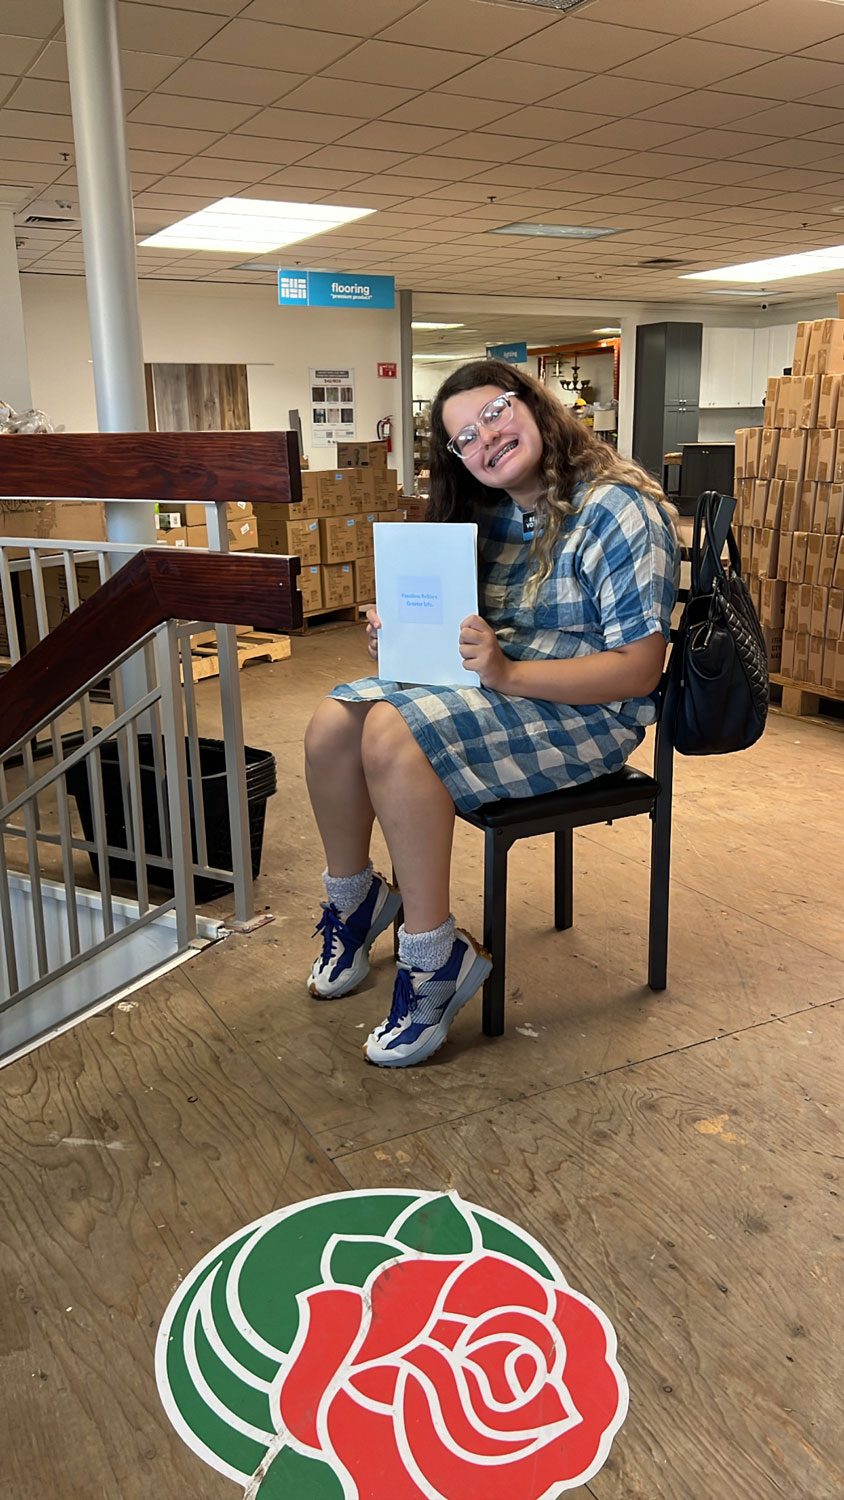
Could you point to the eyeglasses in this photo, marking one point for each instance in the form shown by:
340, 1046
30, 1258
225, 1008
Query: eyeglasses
466, 440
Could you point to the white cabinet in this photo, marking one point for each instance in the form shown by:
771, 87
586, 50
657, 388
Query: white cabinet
726, 368
737, 362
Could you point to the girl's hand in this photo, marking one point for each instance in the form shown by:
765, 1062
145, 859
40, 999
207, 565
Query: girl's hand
481, 653
373, 626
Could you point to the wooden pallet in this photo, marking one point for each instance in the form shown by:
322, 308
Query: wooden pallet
205, 661
802, 700
327, 619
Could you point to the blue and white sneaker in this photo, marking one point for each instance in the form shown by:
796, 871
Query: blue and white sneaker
425, 1004
346, 940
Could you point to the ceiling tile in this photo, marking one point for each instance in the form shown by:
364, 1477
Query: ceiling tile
346, 158
17, 52
667, 15
449, 111
140, 70
788, 78
481, 147
341, 96
794, 153
591, 45
635, 135
388, 134
780, 24
169, 138
697, 64
626, 96
720, 171
717, 143
25, 172
150, 161
521, 83
831, 51
41, 94
291, 48
299, 125
834, 97
364, 18
792, 180
705, 108
600, 182
197, 114
655, 164
29, 17
561, 156
257, 148
217, 7
19, 148
222, 167
323, 181
729, 195
391, 62
209, 80
834, 134
212, 187
18, 122
460, 25
518, 175
546, 124
792, 119
165, 28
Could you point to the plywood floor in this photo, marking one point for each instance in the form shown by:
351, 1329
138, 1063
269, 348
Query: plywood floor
681, 1155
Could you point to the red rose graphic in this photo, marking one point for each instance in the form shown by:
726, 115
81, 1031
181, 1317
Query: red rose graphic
469, 1377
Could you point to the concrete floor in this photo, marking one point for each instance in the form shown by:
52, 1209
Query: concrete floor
680, 1155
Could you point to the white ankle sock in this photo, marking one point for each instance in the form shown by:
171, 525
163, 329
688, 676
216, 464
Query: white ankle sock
427, 950
347, 891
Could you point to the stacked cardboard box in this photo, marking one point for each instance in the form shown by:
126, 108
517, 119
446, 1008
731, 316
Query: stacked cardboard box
331, 531
790, 511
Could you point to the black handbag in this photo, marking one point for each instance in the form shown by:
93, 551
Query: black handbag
718, 674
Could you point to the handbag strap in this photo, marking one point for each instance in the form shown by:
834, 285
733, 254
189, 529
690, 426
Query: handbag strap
704, 544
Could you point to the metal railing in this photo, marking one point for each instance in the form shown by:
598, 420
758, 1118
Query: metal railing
111, 787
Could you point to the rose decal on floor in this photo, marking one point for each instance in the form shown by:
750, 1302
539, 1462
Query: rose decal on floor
390, 1346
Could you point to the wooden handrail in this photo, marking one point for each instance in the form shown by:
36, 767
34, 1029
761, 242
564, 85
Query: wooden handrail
157, 584
170, 467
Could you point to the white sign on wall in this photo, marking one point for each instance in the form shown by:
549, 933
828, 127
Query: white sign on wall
332, 403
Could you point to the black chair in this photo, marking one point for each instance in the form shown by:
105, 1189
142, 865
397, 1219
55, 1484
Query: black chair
624, 794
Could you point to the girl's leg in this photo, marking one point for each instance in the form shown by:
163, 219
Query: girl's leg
416, 815
337, 785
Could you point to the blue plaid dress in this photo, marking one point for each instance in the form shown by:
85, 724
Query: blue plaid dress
614, 581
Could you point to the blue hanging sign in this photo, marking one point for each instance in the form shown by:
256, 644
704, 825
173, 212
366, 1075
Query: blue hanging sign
512, 354
335, 289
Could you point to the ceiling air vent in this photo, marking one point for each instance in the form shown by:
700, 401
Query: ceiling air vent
563, 6
49, 221
660, 262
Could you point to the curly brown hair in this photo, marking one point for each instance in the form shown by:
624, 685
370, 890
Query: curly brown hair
572, 454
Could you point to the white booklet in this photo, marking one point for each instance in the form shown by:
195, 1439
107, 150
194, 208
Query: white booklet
426, 583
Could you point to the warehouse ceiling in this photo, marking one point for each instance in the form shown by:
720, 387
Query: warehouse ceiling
708, 132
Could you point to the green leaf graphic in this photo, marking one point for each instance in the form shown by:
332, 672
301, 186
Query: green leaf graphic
437, 1228
508, 1242
353, 1261
291, 1476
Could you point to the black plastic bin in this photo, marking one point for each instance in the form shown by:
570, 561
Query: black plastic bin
260, 784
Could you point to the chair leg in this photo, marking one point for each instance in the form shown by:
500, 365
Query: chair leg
660, 882
563, 878
397, 919
496, 849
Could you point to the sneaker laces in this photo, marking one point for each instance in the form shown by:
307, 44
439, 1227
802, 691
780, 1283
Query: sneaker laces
333, 928
403, 997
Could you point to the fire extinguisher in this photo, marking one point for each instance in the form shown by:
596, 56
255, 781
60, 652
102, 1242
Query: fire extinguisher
384, 432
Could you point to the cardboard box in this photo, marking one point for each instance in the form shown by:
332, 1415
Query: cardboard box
309, 584
835, 509
784, 560
838, 570
791, 454
810, 397
826, 347
801, 656
771, 397
783, 401
814, 669
243, 534
765, 553
56, 598
772, 604
365, 580
798, 557
827, 561
759, 501
768, 446
835, 613
817, 615
177, 536
790, 504
197, 536
366, 546
338, 585
773, 505
361, 455
346, 492
801, 344
386, 490
792, 605
772, 636
787, 660
806, 508
839, 668
812, 569
830, 650
389, 515
753, 452
167, 520
830, 391
337, 539
824, 443
745, 544
740, 454
821, 511
306, 509
193, 513
66, 520
292, 538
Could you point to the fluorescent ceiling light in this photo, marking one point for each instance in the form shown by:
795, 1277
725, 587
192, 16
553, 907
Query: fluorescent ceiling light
606, 330
253, 224
461, 355
555, 231
807, 263
437, 325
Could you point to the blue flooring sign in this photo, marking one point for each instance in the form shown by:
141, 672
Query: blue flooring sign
512, 354
335, 289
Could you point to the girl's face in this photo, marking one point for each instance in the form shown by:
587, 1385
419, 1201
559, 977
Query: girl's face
507, 453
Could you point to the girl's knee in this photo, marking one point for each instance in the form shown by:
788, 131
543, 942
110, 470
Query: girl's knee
332, 731
385, 737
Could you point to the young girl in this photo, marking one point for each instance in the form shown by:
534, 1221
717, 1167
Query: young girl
578, 565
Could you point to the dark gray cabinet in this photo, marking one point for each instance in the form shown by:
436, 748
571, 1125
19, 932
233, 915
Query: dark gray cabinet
666, 409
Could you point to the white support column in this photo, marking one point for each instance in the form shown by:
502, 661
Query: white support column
108, 235
406, 372
14, 363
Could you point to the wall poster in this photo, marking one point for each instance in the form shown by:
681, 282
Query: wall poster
332, 403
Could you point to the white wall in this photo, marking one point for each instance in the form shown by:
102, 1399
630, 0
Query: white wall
719, 425
194, 324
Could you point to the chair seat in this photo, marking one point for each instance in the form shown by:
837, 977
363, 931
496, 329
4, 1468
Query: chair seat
612, 792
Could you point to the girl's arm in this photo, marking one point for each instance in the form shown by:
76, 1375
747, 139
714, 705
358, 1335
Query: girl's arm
630, 671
